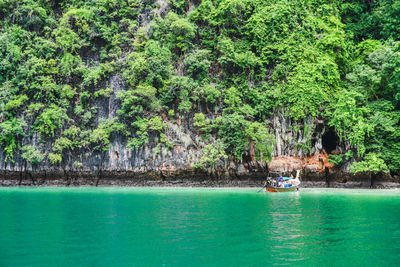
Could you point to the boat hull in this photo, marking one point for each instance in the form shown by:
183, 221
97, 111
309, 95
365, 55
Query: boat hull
281, 189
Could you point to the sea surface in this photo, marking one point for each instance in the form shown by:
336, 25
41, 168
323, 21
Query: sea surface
198, 227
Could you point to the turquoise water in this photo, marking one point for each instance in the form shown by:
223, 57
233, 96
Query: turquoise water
198, 227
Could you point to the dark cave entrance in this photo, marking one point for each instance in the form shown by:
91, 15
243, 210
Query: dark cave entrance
329, 140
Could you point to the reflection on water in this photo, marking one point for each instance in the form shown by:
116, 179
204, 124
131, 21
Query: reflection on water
177, 227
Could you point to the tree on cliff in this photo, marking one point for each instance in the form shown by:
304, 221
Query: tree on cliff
99, 140
372, 164
32, 157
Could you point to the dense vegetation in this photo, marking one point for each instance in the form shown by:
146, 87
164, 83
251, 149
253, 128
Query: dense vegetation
225, 65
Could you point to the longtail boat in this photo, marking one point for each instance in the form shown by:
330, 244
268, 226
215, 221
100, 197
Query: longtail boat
286, 184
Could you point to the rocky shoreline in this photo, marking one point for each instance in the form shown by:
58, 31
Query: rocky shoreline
189, 178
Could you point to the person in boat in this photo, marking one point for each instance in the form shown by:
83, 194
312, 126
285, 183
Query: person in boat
280, 181
268, 182
291, 179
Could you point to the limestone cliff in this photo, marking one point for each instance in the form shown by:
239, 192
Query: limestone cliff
150, 67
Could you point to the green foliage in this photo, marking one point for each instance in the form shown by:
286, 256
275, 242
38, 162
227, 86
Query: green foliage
55, 158
372, 20
70, 64
200, 120
207, 92
15, 102
150, 66
139, 100
372, 162
212, 153
232, 129
348, 155
61, 144
32, 155
100, 137
92, 76
198, 63
103, 92
348, 117
67, 92
365, 113
33, 108
49, 120
77, 164
11, 131
238, 134
335, 159
143, 129
259, 135
182, 31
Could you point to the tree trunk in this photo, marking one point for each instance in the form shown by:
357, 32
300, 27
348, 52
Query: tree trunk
22, 172
30, 175
66, 175
99, 176
162, 176
20, 177
45, 177
371, 179
327, 177
100, 169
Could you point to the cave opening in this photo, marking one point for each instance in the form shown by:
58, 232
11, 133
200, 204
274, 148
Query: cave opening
329, 140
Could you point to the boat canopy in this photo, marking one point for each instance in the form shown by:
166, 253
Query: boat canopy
284, 178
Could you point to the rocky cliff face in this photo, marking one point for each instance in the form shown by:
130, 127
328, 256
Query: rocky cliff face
294, 148
157, 165
299, 145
